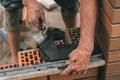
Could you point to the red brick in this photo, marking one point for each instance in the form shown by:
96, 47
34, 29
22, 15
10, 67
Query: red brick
29, 57
8, 66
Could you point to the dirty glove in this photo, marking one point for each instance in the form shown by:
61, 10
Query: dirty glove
35, 12
78, 63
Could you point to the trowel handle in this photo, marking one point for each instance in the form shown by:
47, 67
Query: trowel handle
41, 26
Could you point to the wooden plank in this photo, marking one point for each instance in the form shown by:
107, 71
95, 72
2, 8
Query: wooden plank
115, 3
110, 56
92, 78
95, 64
113, 30
109, 43
113, 67
113, 56
38, 78
90, 73
115, 76
112, 14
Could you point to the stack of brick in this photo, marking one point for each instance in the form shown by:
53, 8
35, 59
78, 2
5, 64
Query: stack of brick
108, 37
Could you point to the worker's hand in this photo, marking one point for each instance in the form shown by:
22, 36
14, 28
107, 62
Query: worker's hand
35, 12
78, 63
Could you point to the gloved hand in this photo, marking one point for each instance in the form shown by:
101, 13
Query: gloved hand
35, 12
78, 62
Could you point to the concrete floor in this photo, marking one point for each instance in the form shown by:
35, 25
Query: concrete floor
53, 18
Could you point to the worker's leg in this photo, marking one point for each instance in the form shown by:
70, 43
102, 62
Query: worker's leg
69, 16
12, 23
14, 41
69, 9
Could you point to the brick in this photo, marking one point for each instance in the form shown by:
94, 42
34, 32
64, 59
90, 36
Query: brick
29, 57
113, 67
112, 14
115, 3
72, 35
113, 30
38, 78
8, 66
59, 42
90, 73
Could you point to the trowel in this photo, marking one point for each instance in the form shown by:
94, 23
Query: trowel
42, 36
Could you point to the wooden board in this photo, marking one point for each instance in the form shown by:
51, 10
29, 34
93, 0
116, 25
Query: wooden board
91, 78
111, 13
91, 73
115, 76
115, 3
110, 56
38, 78
113, 67
108, 43
113, 56
94, 65
113, 30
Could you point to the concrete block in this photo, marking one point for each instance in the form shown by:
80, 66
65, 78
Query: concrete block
29, 57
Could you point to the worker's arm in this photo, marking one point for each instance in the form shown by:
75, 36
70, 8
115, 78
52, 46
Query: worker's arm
79, 58
34, 11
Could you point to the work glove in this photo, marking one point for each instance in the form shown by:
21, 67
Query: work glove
78, 62
35, 12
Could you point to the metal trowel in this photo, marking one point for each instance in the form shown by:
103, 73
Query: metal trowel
42, 36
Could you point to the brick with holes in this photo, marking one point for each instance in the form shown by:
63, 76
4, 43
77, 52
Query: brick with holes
29, 57
8, 66
72, 35
59, 42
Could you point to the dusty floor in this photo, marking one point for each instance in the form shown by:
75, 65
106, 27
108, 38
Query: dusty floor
53, 18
